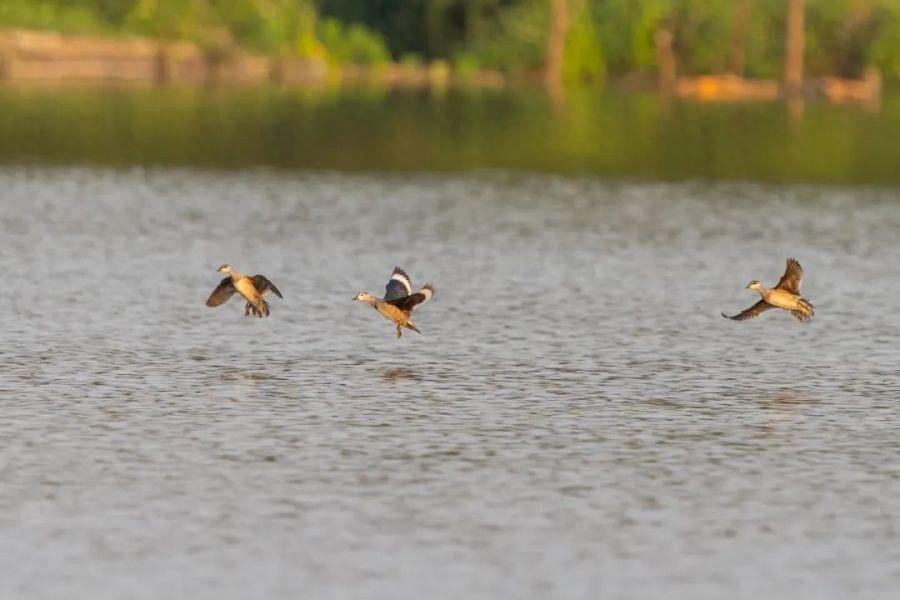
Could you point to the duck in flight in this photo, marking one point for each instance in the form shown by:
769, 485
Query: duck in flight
253, 289
399, 300
785, 295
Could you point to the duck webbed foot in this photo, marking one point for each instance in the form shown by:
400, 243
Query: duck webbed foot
399, 331
258, 311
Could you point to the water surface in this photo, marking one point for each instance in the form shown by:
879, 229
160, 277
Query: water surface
599, 133
577, 420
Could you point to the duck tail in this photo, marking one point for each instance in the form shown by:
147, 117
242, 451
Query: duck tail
805, 312
808, 306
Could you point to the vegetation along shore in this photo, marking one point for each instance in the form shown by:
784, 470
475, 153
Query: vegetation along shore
740, 49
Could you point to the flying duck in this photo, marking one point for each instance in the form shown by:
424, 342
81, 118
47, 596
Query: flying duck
399, 301
785, 295
253, 289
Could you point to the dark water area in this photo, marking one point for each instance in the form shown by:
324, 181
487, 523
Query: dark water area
576, 421
606, 133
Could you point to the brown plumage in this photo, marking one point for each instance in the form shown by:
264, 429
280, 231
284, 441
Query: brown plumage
792, 278
399, 302
785, 295
252, 289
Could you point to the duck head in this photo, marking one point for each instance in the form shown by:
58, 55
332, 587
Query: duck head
226, 268
754, 285
364, 297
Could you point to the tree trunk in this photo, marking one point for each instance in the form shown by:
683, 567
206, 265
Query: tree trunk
793, 62
556, 46
738, 56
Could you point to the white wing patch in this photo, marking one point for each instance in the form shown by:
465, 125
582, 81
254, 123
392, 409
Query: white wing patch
428, 291
402, 279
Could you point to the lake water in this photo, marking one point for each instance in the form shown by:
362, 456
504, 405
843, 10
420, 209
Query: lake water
602, 133
576, 421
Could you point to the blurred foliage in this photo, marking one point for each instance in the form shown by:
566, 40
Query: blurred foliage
584, 57
516, 40
607, 38
352, 43
59, 16
616, 37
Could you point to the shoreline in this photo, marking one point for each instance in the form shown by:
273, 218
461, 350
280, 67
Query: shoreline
40, 57
28, 56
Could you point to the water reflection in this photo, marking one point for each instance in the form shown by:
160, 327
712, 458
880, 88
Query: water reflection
379, 129
399, 374
787, 400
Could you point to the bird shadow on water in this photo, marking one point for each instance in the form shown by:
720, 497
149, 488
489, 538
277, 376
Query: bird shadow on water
785, 400
783, 411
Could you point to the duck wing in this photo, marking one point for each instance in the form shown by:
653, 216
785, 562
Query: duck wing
754, 311
792, 278
264, 286
398, 286
222, 293
408, 303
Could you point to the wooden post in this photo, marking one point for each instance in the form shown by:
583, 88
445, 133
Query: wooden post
556, 46
872, 79
161, 70
793, 62
6, 57
665, 58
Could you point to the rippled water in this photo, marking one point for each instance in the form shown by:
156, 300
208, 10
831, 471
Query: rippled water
577, 420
